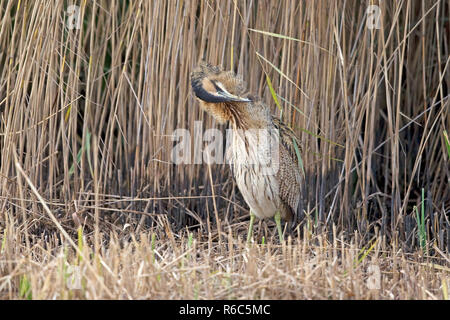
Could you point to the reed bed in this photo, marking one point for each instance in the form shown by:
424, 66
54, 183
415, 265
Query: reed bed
188, 266
88, 111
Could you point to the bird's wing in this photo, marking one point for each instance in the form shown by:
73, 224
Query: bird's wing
290, 173
290, 141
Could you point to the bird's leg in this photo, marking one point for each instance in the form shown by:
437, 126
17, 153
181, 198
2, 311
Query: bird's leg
278, 222
250, 228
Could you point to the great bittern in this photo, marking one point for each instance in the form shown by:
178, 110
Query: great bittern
269, 193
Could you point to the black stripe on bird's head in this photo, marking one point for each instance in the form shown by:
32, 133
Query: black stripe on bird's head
207, 85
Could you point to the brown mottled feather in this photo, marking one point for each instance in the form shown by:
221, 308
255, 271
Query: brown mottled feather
220, 94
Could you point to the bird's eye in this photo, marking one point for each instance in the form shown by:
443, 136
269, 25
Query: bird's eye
218, 86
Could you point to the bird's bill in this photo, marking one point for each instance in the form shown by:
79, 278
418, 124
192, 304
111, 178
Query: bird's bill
228, 96
231, 97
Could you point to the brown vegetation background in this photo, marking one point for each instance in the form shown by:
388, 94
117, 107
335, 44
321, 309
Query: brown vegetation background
89, 113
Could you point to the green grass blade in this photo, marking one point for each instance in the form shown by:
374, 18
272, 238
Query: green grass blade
274, 95
447, 142
444, 289
3, 242
72, 167
420, 228
87, 147
88, 150
80, 242
25, 288
323, 138
299, 157
297, 109
283, 75
190, 240
366, 252
423, 231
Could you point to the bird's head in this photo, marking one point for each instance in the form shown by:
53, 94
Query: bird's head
221, 94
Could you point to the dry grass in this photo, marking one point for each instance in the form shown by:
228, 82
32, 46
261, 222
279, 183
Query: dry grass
86, 119
189, 267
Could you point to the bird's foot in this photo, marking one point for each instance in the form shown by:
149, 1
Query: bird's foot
250, 228
278, 222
